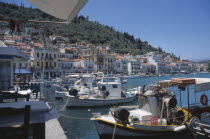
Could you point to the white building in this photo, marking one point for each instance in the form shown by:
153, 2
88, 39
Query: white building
121, 64
83, 65
157, 60
48, 56
65, 66
148, 68
134, 66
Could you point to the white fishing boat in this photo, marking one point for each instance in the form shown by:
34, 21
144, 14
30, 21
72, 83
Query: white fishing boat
47, 83
109, 93
124, 81
157, 113
60, 93
130, 77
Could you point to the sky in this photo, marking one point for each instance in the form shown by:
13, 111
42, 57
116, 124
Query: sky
181, 27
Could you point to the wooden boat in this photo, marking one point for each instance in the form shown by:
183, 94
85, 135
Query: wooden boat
157, 113
108, 93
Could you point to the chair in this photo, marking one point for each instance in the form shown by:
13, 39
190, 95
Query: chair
15, 96
16, 131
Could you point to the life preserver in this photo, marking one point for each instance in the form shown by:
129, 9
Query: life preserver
204, 99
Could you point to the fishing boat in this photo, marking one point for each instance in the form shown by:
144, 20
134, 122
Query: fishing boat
109, 93
60, 92
124, 81
157, 112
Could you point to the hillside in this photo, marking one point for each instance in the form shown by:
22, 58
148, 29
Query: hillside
81, 29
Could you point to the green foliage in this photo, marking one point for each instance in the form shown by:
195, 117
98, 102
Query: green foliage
80, 29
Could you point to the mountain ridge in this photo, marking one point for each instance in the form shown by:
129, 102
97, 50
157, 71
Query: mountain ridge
81, 29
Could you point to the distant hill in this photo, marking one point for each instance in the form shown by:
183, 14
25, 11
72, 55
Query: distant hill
204, 61
82, 29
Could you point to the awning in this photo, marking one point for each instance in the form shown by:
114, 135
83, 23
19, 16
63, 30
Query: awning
201, 84
13, 52
22, 71
63, 9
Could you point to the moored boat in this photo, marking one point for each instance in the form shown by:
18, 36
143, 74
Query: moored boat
157, 112
109, 93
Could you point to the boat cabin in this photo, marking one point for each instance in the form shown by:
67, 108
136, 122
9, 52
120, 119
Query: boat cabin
110, 88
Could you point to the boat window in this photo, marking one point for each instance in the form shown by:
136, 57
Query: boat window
108, 79
114, 85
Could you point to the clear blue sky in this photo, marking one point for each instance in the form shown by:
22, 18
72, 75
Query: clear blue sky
178, 26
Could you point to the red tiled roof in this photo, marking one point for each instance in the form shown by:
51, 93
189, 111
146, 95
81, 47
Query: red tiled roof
148, 64
182, 62
38, 45
171, 65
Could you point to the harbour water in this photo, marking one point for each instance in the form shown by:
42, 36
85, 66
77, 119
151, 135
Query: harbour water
76, 122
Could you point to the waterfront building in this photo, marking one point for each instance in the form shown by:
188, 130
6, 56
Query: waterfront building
134, 66
148, 68
157, 60
121, 64
172, 68
47, 57
65, 66
185, 66
202, 67
83, 65
8, 57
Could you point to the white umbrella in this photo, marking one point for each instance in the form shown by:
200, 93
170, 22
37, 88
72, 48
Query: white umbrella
63, 9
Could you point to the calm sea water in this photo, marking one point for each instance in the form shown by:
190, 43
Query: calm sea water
85, 129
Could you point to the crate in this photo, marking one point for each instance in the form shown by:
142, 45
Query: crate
183, 80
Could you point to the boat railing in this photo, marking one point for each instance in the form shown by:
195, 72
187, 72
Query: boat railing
147, 122
198, 128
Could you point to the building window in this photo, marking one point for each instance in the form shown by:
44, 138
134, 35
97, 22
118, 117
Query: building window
54, 64
37, 54
54, 55
20, 65
37, 64
46, 55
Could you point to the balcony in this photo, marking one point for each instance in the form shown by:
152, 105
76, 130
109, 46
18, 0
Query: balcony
49, 68
49, 58
66, 67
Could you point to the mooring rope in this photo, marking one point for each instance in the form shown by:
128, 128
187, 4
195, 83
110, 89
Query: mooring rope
65, 104
114, 131
74, 117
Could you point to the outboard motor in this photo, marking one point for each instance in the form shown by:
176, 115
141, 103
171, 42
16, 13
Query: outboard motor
170, 102
73, 92
66, 87
176, 116
121, 115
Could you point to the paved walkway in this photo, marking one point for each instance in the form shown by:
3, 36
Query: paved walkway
54, 130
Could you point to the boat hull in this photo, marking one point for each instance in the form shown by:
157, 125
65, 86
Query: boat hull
107, 129
74, 102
